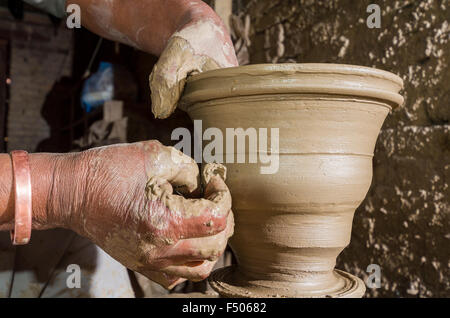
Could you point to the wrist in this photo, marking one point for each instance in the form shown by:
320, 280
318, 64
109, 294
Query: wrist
64, 195
56, 190
43, 176
41, 170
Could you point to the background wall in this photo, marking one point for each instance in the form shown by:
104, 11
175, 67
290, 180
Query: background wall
40, 55
403, 225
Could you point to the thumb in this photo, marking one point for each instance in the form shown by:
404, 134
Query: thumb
169, 75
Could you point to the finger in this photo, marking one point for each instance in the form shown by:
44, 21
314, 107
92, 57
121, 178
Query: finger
184, 175
171, 164
199, 249
194, 250
168, 76
175, 217
213, 169
165, 280
193, 273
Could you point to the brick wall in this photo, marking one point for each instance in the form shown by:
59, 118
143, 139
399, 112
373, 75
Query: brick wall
40, 55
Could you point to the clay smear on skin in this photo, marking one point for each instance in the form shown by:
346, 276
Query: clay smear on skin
168, 76
212, 43
175, 208
187, 53
168, 212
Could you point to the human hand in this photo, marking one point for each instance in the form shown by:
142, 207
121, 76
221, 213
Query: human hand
187, 35
201, 45
121, 197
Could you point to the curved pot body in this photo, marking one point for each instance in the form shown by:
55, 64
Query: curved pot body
293, 219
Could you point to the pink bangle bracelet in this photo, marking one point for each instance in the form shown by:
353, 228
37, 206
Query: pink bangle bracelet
22, 193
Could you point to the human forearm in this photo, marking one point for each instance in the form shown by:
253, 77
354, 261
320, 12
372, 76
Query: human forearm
45, 211
6, 193
187, 35
145, 24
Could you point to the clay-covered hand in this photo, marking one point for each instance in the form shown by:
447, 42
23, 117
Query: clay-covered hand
200, 45
123, 198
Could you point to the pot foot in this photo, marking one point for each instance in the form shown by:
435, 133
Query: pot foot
230, 282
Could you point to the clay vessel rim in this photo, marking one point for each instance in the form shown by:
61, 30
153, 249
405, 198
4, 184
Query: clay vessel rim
270, 68
233, 81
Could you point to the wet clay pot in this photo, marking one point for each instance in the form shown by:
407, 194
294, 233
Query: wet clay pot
291, 225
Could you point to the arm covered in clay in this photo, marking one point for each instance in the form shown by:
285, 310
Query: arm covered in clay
186, 34
122, 198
